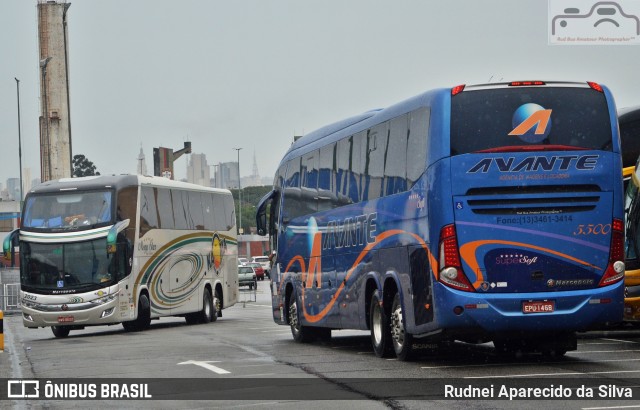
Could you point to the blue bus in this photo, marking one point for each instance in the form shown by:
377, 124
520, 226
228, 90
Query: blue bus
475, 213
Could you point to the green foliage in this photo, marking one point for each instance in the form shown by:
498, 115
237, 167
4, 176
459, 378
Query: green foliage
250, 197
82, 167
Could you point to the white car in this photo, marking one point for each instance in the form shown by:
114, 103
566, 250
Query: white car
264, 262
243, 261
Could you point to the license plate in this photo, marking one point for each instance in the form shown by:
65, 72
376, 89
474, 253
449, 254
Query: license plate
66, 319
545, 306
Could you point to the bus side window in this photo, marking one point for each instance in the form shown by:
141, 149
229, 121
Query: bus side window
291, 205
376, 153
196, 209
180, 209
148, 210
417, 144
395, 168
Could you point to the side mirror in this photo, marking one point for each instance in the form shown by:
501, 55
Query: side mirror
112, 236
261, 212
7, 245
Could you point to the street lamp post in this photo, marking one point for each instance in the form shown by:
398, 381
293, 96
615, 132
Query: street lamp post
19, 140
239, 195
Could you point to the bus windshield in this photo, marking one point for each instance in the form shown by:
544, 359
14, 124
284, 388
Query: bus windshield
64, 266
487, 120
68, 210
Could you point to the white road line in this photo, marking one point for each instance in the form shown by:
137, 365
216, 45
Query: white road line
516, 364
635, 406
601, 351
548, 374
621, 341
207, 366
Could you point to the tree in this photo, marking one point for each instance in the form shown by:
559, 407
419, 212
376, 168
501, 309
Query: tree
82, 167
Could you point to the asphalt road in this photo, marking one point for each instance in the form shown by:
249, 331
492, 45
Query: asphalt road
244, 360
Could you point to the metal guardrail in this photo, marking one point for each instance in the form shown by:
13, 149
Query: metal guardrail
248, 295
10, 297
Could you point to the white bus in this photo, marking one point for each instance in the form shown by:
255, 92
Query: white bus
125, 249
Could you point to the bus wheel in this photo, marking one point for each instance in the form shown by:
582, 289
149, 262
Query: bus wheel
144, 313
380, 331
216, 306
60, 331
402, 341
207, 307
300, 333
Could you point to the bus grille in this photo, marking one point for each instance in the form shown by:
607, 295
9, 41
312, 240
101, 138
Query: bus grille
532, 200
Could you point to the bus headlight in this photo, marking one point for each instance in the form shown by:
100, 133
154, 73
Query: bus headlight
104, 299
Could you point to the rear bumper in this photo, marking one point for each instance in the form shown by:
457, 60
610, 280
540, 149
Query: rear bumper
493, 313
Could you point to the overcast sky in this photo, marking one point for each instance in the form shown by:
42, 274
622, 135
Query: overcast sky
252, 73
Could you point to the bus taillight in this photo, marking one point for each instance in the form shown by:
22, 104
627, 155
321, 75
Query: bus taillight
525, 83
450, 267
595, 86
457, 89
615, 268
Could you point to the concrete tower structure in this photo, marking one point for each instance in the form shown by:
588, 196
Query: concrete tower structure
142, 164
55, 119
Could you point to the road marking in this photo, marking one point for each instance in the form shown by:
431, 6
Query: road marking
621, 341
207, 366
515, 364
548, 374
602, 351
636, 406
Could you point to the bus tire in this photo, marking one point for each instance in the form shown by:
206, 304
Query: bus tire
380, 330
144, 313
217, 300
401, 340
60, 331
207, 307
300, 333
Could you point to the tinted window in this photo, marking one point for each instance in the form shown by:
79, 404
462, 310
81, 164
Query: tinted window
180, 208
417, 144
196, 209
165, 210
358, 163
630, 140
396, 162
575, 117
376, 155
148, 210
292, 206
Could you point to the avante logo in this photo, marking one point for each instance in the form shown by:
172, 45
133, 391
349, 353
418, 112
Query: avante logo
531, 123
537, 163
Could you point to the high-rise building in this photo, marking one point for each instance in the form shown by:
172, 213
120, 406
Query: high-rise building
227, 175
141, 168
198, 170
13, 189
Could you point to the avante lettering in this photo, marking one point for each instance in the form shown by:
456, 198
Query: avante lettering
536, 163
355, 231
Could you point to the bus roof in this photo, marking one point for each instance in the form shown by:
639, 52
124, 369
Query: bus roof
338, 130
117, 181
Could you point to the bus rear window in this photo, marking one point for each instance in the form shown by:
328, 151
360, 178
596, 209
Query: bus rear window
531, 118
